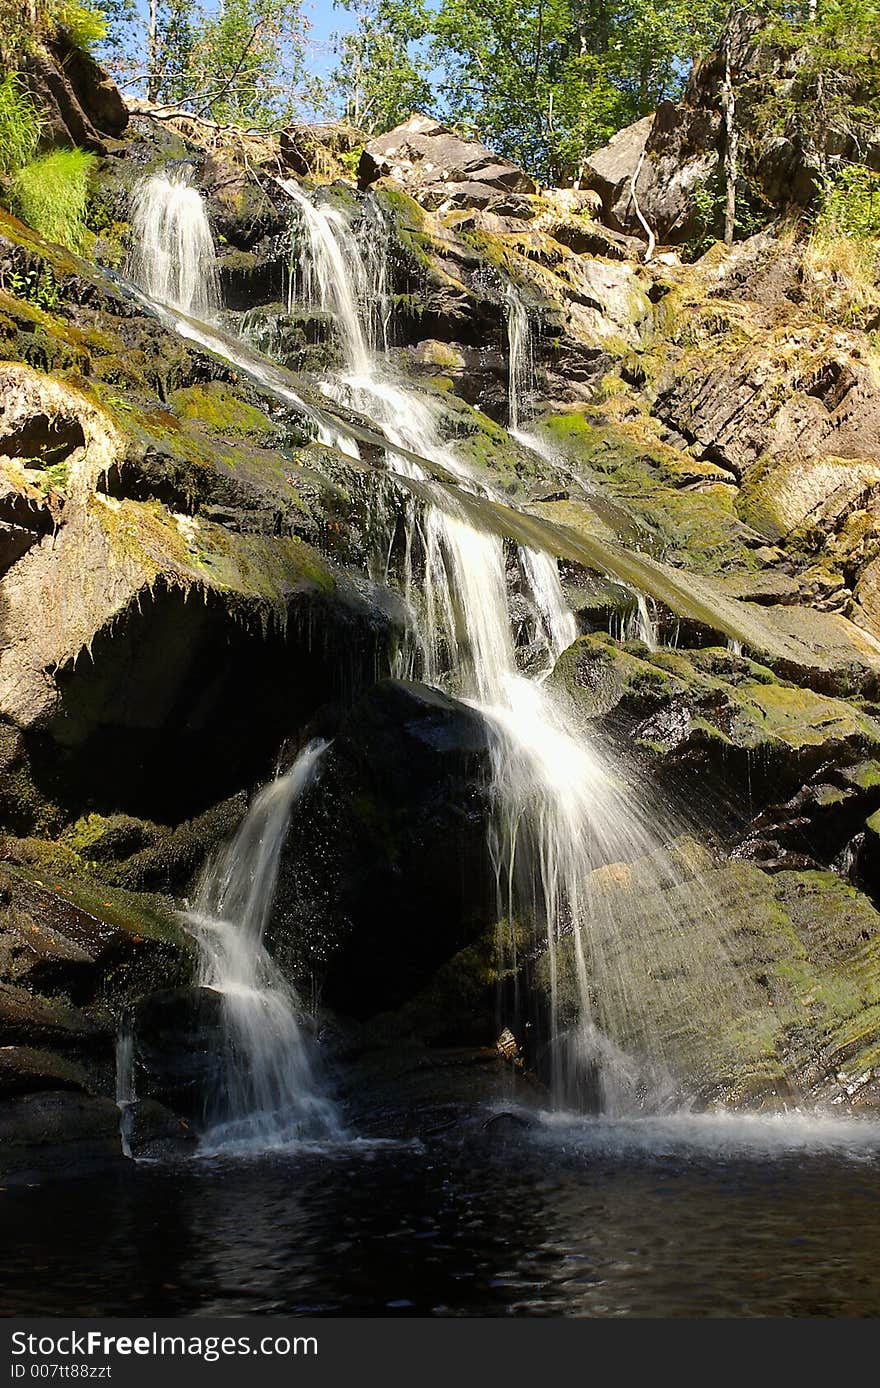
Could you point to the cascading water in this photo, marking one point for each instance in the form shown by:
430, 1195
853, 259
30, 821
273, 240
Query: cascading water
172, 256
125, 1091
563, 808
341, 277
560, 810
269, 1096
637, 624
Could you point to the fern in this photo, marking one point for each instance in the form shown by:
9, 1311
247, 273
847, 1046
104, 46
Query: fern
83, 25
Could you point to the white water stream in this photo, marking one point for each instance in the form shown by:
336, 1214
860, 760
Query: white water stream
269, 1095
172, 253
561, 809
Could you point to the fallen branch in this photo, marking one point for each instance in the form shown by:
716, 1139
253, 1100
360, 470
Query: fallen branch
652, 240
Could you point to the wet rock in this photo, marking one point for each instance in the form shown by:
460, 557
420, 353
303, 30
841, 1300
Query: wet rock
29, 1020
27, 1071
387, 871
509, 1128
153, 1131
712, 721
57, 1134
76, 937
178, 1048
776, 970
240, 208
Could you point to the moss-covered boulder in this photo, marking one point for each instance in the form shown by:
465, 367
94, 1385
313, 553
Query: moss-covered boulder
731, 739
752, 989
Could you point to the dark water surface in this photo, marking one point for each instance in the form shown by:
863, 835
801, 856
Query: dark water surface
675, 1217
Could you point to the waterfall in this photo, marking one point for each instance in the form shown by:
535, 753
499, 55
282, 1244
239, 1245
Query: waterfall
172, 256
636, 623
341, 276
574, 852
561, 809
125, 1091
269, 1094
521, 357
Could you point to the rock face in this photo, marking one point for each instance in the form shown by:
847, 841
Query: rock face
436, 165
612, 169
388, 871
789, 136
80, 104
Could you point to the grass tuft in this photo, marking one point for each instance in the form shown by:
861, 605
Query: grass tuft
50, 194
19, 124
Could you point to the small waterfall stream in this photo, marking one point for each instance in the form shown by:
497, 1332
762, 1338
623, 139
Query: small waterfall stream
520, 358
172, 255
269, 1095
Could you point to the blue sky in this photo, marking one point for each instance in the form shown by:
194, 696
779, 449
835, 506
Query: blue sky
324, 20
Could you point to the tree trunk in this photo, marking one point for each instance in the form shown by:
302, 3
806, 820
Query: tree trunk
153, 52
728, 106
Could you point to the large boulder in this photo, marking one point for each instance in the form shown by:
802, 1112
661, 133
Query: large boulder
734, 743
754, 990
387, 870
80, 103
439, 167
178, 1048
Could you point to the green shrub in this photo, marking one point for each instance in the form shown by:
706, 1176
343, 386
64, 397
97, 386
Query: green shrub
82, 24
851, 203
51, 193
19, 124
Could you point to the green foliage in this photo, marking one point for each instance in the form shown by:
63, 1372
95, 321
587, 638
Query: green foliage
382, 74
851, 204
85, 25
19, 124
37, 285
25, 24
543, 81
238, 61
50, 195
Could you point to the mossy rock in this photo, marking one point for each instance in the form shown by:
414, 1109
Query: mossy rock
753, 989
627, 462
713, 712
221, 410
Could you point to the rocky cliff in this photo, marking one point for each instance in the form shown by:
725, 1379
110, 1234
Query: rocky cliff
187, 589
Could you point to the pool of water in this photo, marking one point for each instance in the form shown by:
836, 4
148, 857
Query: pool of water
711, 1216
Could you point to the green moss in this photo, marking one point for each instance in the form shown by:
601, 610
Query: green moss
627, 462
717, 696
144, 914
219, 409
